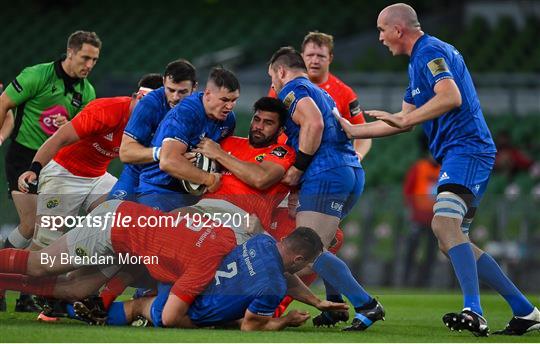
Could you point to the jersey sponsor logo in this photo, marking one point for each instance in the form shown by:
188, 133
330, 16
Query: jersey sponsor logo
105, 152
444, 176
354, 108
289, 99
53, 203
280, 152
18, 87
437, 66
207, 233
247, 259
108, 137
415, 92
46, 119
260, 157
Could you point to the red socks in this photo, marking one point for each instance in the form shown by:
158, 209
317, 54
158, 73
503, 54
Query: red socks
112, 290
43, 286
13, 260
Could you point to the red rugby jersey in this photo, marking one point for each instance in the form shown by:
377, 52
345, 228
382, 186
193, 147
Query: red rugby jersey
100, 126
253, 201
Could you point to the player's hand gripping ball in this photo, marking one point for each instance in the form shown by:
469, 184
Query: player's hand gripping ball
204, 164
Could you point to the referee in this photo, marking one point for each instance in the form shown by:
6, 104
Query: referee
34, 105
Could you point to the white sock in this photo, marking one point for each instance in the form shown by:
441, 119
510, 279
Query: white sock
534, 315
16, 239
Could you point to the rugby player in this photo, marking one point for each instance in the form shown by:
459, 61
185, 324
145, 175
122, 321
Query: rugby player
72, 164
203, 114
248, 285
179, 81
43, 98
327, 171
441, 96
318, 53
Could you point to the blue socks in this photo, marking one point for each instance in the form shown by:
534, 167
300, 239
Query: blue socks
116, 315
71, 311
332, 294
464, 263
490, 273
331, 268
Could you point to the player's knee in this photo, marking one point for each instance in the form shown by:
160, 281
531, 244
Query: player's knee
443, 247
168, 319
448, 213
450, 205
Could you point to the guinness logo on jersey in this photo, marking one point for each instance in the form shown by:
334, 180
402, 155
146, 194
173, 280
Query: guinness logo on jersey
289, 99
280, 152
437, 66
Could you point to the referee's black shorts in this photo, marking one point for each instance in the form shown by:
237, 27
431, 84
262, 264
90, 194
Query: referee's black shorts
18, 160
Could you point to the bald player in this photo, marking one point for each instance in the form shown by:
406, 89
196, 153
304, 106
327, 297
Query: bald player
441, 96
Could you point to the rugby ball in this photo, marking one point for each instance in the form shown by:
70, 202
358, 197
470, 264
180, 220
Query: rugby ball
205, 164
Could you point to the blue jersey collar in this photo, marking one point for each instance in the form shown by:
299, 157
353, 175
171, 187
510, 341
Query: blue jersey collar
418, 43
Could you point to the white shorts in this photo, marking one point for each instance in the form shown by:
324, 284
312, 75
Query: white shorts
60, 193
231, 216
92, 245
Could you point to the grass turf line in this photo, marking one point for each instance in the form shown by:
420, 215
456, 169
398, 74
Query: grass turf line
411, 316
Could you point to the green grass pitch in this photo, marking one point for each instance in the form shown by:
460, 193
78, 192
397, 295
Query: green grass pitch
411, 316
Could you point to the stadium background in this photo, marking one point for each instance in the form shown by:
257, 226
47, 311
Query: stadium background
497, 39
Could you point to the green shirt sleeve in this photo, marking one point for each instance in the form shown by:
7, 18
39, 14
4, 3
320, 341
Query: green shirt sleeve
25, 86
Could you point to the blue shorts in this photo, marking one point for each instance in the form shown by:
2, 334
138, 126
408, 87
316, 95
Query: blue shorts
156, 310
469, 170
332, 192
163, 199
126, 186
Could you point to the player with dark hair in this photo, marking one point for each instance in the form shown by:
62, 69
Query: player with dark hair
318, 53
441, 96
204, 114
327, 171
75, 160
179, 81
248, 285
43, 98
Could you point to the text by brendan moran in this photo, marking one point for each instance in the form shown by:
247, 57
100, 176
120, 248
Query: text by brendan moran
83, 259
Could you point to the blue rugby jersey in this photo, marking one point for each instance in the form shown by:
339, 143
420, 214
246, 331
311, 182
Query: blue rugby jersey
461, 130
250, 277
144, 121
336, 149
187, 122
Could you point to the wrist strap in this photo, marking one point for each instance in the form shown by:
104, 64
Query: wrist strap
35, 167
302, 160
155, 153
